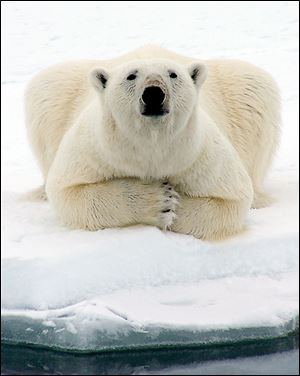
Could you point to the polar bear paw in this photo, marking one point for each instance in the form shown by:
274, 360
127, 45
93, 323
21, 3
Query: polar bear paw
169, 204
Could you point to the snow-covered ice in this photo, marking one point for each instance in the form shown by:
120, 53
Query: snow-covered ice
139, 286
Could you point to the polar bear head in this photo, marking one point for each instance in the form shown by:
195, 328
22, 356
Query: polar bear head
149, 94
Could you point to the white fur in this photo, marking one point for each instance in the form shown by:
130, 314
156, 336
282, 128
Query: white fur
104, 164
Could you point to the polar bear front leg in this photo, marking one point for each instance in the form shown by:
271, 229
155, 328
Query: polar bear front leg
115, 203
209, 218
215, 193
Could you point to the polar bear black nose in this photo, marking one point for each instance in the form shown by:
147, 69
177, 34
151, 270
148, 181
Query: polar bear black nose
153, 96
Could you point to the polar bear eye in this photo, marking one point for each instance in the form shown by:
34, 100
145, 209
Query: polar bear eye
131, 77
173, 75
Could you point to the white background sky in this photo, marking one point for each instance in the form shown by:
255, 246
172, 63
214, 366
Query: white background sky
36, 34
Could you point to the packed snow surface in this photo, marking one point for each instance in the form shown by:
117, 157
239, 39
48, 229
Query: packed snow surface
139, 286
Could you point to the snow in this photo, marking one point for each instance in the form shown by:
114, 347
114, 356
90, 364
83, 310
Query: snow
139, 286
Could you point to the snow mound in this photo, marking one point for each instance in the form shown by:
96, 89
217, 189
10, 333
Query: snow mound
139, 286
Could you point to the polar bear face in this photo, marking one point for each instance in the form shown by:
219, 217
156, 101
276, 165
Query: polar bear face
156, 94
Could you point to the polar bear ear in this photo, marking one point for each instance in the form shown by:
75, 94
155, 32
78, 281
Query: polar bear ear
198, 73
99, 78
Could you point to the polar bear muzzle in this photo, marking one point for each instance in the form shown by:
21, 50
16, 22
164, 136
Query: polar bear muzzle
153, 101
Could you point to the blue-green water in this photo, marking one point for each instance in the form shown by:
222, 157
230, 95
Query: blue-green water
268, 357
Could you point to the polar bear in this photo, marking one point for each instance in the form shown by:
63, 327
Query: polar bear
155, 138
